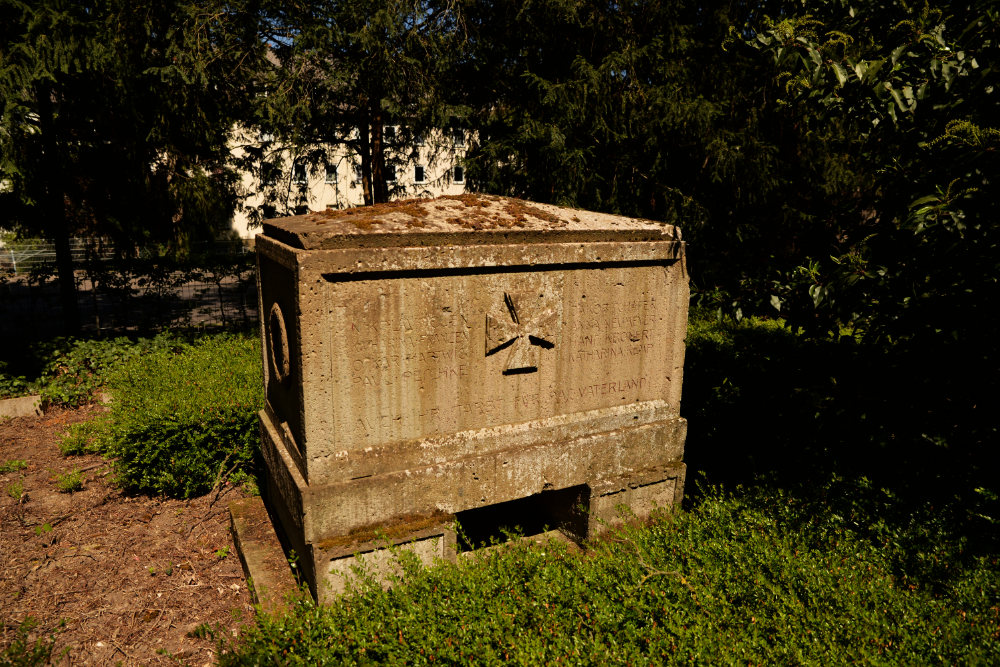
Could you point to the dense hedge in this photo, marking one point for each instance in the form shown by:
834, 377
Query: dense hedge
182, 418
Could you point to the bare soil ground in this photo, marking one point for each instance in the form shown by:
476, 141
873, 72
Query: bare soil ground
130, 577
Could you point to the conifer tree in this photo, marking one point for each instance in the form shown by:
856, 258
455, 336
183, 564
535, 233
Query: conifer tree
346, 70
115, 119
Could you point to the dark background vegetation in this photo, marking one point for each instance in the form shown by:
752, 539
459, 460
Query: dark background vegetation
833, 166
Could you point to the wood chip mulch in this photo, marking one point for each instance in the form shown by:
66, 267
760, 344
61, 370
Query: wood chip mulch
117, 579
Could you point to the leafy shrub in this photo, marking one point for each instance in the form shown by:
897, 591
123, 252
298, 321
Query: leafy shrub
183, 419
12, 385
768, 578
75, 369
768, 406
69, 481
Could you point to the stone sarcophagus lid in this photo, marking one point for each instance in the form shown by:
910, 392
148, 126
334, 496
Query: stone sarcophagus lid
472, 357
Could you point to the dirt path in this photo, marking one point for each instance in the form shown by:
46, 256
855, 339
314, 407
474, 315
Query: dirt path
132, 577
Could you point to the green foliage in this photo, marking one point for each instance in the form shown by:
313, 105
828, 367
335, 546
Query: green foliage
767, 577
77, 440
15, 490
70, 371
915, 90
69, 481
77, 368
12, 465
183, 419
23, 651
12, 385
767, 406
858, 527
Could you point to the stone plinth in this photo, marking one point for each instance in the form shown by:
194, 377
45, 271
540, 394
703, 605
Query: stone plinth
429, 359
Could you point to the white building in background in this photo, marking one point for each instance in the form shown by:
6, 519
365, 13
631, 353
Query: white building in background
431, 167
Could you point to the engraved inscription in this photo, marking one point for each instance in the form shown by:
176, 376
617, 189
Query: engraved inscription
407, 360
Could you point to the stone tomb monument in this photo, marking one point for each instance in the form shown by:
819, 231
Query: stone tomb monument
472, 357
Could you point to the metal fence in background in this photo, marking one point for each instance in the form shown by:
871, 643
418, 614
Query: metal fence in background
143, 294
25, 256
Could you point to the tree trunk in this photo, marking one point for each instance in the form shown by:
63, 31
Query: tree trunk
380, 190
54, 211
365, 150
372, 149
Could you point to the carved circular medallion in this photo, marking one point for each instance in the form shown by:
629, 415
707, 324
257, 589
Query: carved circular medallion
278, 343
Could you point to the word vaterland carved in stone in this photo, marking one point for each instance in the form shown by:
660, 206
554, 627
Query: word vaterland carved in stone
472, 358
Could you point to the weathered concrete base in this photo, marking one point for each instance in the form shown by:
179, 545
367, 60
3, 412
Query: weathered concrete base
641, 495
413, 509
503, 469
22, 406
341, 560
264, 563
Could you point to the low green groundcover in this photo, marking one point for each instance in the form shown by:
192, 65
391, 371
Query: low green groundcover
758, 578
182, 419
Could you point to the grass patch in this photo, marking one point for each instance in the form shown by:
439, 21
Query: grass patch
183, 418
13, 465
758, 577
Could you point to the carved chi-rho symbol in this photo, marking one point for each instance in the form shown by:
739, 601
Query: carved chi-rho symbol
525, 336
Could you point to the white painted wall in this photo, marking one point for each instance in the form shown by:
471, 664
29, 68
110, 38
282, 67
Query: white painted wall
438, 155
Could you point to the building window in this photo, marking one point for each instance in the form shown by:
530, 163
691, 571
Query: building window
418, 174
458, 137
269, 174
389, 134
419, 140
357, 173
458, 175
331, 174
390, 173
299, 174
